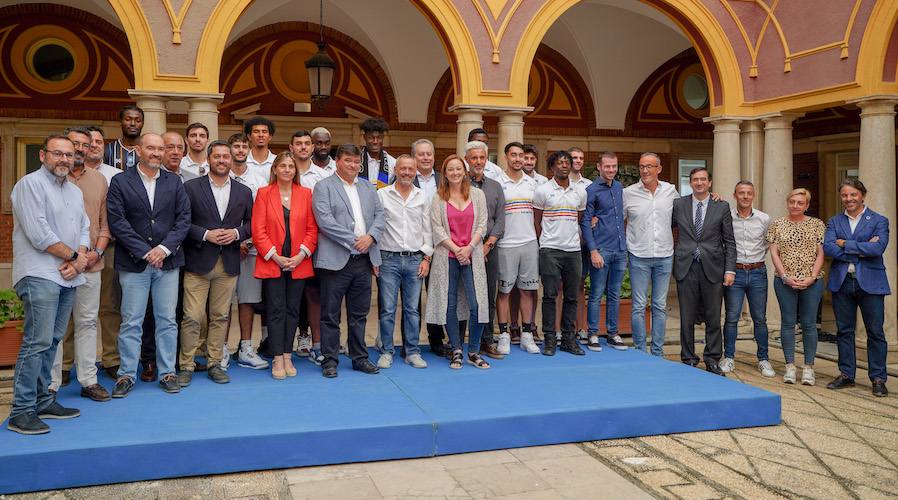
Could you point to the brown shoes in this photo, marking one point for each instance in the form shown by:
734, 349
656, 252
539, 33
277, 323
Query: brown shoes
490, 351
111, 372
95, 392
149, 371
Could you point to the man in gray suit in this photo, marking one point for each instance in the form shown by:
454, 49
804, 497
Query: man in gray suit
704, 262
350, 221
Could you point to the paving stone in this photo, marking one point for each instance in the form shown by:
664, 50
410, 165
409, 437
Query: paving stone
790, 456
497, 480
583, 476
465, 460
695, 492
551, 451
327, 472
867, 493
414, 478
881, 438
882, 478
799, 482
663, 478
857, 451
355, 488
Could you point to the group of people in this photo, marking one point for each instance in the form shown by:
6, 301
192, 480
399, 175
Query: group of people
151, 237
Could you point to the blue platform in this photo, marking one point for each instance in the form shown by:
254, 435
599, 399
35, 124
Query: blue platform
257, 423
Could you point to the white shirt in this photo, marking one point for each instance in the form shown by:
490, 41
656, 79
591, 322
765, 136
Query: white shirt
560, 224
149, 183
493, 171
330, 168
251, 180
704, 203
428, 184
648, 219
264, 168
198, 169
352, 192
108, 172
374, 167
311, 176
751, 236
519, 228
539, 178
407, 221
222, 195
852, 224
582, 183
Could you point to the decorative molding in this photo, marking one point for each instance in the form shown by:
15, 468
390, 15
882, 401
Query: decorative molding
489, 12
176, 19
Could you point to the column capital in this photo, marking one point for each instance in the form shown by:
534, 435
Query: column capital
724, 119
779, 120
457, 108
876, 105
724, 124
174, 96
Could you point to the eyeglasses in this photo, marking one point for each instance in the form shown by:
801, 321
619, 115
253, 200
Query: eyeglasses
647, 167
60, 154
79, 145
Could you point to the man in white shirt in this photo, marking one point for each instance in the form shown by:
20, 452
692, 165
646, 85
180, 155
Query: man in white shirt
557, 208
302, 148
259, 130
750, 231
580, 181
648, 206
426, 177
491, 170
377, 164
197, 140
518, 250
321, 156
531, 156
405, 247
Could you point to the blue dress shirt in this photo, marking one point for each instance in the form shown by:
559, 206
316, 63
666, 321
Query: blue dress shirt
606, 203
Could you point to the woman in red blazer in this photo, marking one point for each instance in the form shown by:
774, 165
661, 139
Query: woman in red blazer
285, 235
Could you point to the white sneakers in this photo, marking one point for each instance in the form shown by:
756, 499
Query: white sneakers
766, 369
385, 361
504, 345
727, 365
247, 357
305, 345
416, 361
807, 376
789, 376
527, 343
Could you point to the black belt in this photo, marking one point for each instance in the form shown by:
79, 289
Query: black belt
403, 254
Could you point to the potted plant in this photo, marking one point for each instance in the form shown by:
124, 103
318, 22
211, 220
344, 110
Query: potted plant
12, 315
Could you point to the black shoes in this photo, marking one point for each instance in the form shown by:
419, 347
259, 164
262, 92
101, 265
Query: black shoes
58, 412
123, 386
879, 388
184, 377
569, 344
549, 344
329, 371
713, 368
841, 382
365, 366
218, 375
27, 423
169, 383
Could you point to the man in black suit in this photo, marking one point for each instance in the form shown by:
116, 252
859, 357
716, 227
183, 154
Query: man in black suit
704, 262
149, 216
221, 217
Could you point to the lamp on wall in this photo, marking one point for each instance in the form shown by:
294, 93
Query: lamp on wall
321, 69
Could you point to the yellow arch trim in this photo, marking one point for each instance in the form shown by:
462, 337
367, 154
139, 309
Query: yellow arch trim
140, 40
215, 37
457, 40
872, 55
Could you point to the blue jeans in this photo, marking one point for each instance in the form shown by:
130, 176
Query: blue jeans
654, 271
751, 284
399, 274
465, 275
792, 303
136, 289
605, 280
846, 302
48, 308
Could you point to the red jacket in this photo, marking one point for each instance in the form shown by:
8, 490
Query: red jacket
269, 231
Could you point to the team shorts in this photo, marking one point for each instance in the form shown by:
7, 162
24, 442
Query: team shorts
519, 266
249, 288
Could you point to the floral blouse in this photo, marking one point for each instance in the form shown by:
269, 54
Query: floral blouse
797, 243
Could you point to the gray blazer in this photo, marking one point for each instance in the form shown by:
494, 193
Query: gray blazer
717, 243
333, 213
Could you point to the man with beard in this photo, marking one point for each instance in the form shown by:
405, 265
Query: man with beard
491, 170
122, 154
173, 158
531, 156
51, 235
377, 164
259, 130
195, 162
149, 215
81, 335
321, 142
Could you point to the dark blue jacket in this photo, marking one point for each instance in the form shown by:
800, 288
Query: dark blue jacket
866, 256
200, 254
607, 203
137, 229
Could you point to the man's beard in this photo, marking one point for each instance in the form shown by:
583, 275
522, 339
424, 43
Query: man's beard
321, 157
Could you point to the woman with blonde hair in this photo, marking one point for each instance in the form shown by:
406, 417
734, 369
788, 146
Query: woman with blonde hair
796, 248
458, 219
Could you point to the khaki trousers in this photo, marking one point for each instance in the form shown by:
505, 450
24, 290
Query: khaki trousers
213, 291
110, 314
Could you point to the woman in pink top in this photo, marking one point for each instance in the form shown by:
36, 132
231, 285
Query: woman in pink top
458, 218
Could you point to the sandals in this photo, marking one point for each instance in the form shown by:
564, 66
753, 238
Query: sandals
476, 360
455, 361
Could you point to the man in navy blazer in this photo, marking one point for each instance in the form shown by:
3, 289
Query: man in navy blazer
221, 217
350, 221
149, 216
856, 240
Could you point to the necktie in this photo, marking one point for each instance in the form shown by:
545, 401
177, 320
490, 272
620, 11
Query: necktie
696, 254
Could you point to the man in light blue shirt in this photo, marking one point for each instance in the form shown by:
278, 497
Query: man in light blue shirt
50, 242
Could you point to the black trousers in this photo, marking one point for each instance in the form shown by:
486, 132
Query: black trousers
352, 283
282, 296
565, 268
698, 296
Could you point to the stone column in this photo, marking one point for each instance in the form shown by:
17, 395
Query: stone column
751, 152
511, 129
877, 172
204, 110
153, 106
468, 120
726, 171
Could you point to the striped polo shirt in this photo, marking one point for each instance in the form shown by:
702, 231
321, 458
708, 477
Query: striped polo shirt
519, 228
560, 227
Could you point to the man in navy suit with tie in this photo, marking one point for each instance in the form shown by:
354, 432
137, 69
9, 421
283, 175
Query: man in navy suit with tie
149, 216
856, 240
221, 217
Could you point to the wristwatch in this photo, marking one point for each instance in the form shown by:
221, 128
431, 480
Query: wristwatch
74, 255
99, 252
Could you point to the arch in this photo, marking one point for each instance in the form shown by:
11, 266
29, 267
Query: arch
456, 39
873, 68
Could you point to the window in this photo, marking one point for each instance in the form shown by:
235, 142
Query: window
695, 91
27, 155
685, 166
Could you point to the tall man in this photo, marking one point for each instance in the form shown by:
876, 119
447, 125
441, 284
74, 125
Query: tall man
750, 232
122, 153
406, 248
173, 158
195, 161
426, 178
856, 240
350, 222
221, 217
249, 288
648, 205
50, 242
518, 250
606, 243
149, 215
475, 156
491, 170
321, 141
82, 330
377, 164
259, 130
557, 208
704, 263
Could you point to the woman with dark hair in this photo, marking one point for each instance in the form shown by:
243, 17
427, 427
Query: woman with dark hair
285, 234
458, 218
